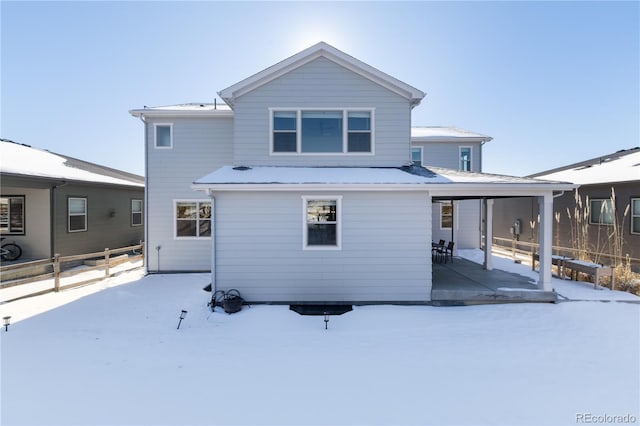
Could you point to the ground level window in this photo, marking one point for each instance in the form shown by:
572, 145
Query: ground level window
322, 222
635, 215
77, 214
193, 219
12, 214
601, 212
446, 215
136, 212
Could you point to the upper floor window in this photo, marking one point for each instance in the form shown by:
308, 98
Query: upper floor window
193, 219
163, 135
318, 131
601, 212
635, 215
12, 215
465, 158
77, 214
136, 212
416, 155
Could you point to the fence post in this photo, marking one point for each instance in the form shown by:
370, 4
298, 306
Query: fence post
56, 272
106, 263
142, 252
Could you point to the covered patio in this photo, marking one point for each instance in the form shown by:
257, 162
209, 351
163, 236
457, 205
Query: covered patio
464, 282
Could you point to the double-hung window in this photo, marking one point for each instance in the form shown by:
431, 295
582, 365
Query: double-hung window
12, 215
322, 131
416, 156
635, 215
163, 135
321, 221
136, 212
77, 214
446, 215
601, 212
193, 219
465, 158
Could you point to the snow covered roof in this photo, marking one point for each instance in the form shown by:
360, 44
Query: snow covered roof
621, 166
445, 134
192, 109
329, 52
24, 160
437, 180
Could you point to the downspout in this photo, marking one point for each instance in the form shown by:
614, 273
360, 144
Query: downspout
52, 218
214, 222
146, 199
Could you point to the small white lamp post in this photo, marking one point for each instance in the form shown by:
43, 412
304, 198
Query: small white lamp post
6, 321
183, 314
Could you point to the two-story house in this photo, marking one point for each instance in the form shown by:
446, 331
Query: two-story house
303, 187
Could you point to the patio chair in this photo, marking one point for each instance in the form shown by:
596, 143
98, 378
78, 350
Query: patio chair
437, 251
448, 252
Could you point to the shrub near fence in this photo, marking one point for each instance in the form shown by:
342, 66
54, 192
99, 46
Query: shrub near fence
55, 267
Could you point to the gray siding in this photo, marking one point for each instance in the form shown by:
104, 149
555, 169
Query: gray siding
385, 253
36, 241
103, 229
447, 154
322, 83
200, 146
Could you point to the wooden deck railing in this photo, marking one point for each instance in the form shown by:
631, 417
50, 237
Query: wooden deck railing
105, 260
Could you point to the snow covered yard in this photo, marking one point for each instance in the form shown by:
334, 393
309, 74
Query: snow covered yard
116, 357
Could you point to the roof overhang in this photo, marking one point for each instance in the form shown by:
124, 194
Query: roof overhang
160, 113
324, 50
442, 183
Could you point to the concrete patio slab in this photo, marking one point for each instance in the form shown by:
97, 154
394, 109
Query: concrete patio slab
466, 282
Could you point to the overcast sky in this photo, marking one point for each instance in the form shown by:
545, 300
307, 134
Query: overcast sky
551, 82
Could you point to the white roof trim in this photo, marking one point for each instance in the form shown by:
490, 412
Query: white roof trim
445, 134
438, 182
325, 50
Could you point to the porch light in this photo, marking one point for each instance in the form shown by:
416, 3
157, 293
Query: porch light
326, 320
183, 314
6, 321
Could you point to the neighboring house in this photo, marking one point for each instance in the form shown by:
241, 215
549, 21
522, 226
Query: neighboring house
51, 203
305, 188
597, 177
456, 149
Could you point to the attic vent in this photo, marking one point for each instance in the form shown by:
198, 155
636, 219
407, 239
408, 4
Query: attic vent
242, 168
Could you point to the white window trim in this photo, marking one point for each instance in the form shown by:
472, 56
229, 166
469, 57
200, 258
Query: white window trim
86, 214
604, 200
453, 219
9, 231
155, 135
345, 131
338, 200
141, 212
460, 148
632, 216
175, 219
421, 148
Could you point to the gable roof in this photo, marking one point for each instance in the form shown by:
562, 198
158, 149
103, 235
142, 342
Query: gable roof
620, 166
445, 134
24, 160
329, 52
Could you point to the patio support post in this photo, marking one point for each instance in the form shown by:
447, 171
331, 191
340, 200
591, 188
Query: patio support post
545, 204
488, 237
